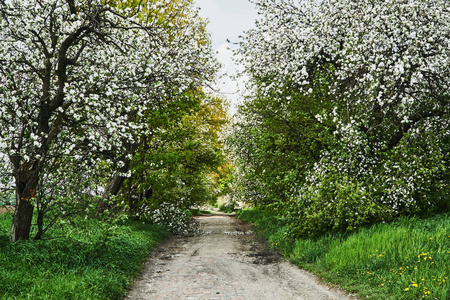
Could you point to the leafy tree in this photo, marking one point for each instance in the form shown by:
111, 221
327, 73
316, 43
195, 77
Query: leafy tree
75, 80
172, 104
176, 166
376, 74
278, 137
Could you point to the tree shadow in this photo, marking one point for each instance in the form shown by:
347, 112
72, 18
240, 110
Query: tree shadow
4, 240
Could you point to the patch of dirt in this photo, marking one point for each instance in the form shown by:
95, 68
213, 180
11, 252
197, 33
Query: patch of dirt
226, 261
6, 208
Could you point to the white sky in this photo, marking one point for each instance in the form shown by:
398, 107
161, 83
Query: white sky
228, 19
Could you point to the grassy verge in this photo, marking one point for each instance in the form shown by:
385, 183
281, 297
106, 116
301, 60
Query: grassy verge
408, 259
97, 261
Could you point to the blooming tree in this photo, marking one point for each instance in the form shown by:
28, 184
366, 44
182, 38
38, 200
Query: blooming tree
373, 77
76, 78
176, 163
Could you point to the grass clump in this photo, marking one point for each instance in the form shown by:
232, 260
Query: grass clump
407, 259
96, 260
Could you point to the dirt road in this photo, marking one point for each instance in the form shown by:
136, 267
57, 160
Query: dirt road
227, 261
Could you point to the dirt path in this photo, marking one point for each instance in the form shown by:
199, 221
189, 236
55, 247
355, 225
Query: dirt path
226, 262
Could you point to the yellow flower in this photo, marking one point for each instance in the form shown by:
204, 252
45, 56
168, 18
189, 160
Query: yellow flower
407, 289
415, 285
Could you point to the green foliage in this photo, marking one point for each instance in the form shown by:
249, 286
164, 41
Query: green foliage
274, 228
325, 136
406, 259
96, 261
176, 166
7, 198
276, 139
331, 181
228, 207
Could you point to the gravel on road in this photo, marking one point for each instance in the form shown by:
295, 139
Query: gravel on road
226, 261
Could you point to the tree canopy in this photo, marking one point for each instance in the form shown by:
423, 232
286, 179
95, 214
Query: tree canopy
78, 82
347, 121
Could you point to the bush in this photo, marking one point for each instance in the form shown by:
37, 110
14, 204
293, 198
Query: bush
175, 219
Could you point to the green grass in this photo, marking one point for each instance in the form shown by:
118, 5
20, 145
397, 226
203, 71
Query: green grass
97, 261
408, 259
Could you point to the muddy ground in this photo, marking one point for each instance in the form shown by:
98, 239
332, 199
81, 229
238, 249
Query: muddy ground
227, 261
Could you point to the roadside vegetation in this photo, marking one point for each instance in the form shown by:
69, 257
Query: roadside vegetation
342, 143
351, 126
92, 260
342, 140
106, 129
111, 116
407, 259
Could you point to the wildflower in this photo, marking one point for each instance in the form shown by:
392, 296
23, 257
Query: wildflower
407, 289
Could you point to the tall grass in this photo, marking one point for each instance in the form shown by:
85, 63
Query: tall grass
407, 259
96, 261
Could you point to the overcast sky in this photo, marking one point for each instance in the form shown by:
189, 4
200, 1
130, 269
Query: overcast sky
228, 19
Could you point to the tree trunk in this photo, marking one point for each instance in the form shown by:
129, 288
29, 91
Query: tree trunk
112, 189
21, 225
116, 182
40, 224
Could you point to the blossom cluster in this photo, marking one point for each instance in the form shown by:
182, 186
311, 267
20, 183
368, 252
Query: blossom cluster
114, 75
364, 84
79, 81
174, 219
